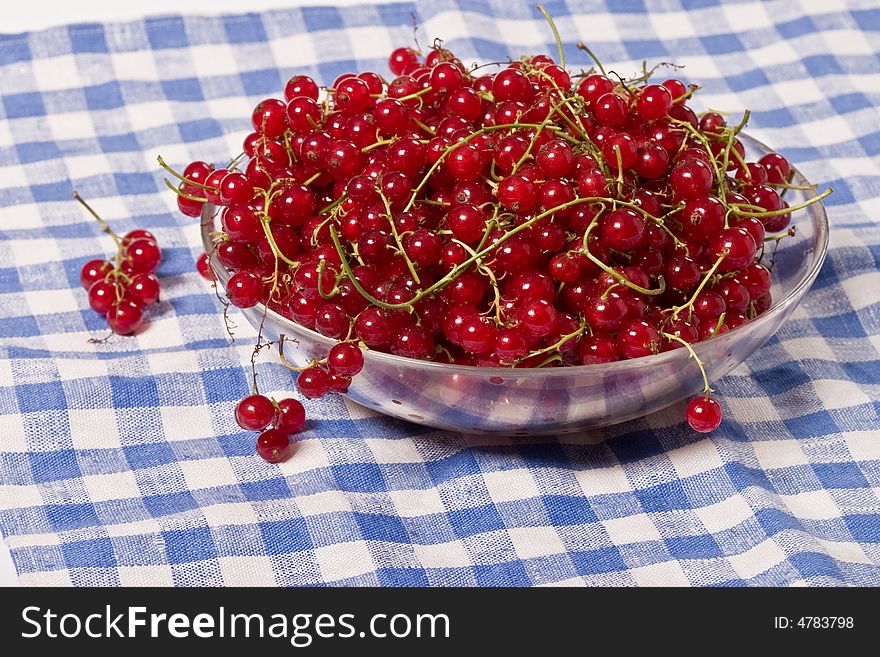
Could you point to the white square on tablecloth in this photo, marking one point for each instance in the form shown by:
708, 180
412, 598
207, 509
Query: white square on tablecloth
20, 497
417, 502
369, 43
234, 513
594, 26
773, 454
672, 25
12, 429
442, 555
14, 175
93, 428
725, 514
509, 485
247, 571
305, 455
696, 458
636, 528
73, 125
344, 560
531, 542
759, 559
331, 501
113, 486
146, 575
394, 451
208, 473
143, 527
667, 573
46, 578
187, 422
812, 505
601, 481
845, 551
53, 73
213, 59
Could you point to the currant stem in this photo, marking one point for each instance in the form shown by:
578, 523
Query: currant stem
180, 177
556, 36
104, 225
693, 354
182, 193
709, 274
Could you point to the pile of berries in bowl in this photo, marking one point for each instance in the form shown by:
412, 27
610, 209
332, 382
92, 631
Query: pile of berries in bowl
513, 250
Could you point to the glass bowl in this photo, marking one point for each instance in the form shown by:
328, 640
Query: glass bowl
564, 399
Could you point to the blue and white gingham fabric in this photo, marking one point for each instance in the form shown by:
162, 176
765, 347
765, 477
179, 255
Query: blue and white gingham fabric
120, 462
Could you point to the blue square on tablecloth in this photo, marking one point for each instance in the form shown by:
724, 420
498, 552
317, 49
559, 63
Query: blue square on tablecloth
199, 130
87, 37
96, 553
867, 19
567, 510
245, 29
359, 477
475, 520
402, 577
38, 397
183, 89
815, 564
663, 497
381, 527
104, 96
602, 560
166, 32
134, 183
693, 547
797, 27
71, 516
54, 466
820, 423
286, 536
17, 106
511, 573
37, 151
134, 392
14, 48
18, 327
119, 143
321, 18
840, 475
722, 44
149, 455
187, 545
457, 465
261, 82
864, 527
170, 503
265, 489
774, 521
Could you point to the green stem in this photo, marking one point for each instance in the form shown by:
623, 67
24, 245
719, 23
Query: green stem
180, 177
104, 225
556, 36
709, 274
693, 354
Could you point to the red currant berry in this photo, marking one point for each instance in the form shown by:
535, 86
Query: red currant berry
345, 359
94, 271
273, 445
703, 414
143, 289
255, 412
124, 317
244, 289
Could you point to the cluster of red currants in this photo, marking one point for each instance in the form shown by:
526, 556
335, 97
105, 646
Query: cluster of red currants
522, 218
277, 422
121, 287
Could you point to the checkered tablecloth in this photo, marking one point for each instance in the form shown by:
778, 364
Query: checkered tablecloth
120, 462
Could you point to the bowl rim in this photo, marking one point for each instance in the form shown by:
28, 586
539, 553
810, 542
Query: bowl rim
822, 228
